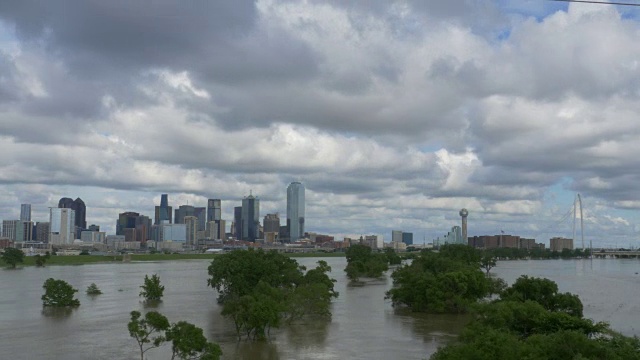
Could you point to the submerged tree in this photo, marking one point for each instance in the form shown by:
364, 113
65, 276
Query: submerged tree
12, 256
93, 289
446, 282
531, 320
362, 262
259, 290
58, 293
392, 257
151, 289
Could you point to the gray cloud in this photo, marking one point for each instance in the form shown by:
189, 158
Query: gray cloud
394, 114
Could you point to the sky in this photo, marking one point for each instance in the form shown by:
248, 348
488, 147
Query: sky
394, 114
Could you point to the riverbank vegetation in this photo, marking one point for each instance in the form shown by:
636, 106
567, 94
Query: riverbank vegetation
12, 256
259, 290
449, 281
111, 258
537, 254
363, 262
532, 320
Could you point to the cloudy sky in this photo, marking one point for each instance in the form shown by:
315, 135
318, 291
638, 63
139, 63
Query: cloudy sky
394, 114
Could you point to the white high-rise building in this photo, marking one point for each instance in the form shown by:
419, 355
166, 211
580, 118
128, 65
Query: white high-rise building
62, 226
295, 211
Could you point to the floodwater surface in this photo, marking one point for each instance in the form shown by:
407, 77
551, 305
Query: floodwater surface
364, 325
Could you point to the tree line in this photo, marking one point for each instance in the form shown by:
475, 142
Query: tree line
530, 319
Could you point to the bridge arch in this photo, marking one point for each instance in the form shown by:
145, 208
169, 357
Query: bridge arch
577, 202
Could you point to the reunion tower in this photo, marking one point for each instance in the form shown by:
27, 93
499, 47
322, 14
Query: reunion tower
464, 213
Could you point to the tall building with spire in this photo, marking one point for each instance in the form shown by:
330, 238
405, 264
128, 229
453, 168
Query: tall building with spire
164, 211
295, 211
464, 213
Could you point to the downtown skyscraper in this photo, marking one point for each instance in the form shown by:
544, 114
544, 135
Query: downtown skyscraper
250, 218
25, 212
62, 225
295, 211
79, 209
214, 210
164, 211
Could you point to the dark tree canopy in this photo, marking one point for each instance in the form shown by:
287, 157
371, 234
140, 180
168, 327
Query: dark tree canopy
362, 262
93, 289
545, 293
151, 289
12, 256
448, 281
259, 290
531, 320
392, 257
58, 293
188, 342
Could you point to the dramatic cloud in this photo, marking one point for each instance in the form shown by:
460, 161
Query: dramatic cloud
395, 114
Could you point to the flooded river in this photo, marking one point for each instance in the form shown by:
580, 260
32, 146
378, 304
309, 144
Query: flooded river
364, 325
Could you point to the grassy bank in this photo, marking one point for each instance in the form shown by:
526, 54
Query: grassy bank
90, 259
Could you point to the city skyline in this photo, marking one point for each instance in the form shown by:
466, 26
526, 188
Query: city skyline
395, 115
129, 220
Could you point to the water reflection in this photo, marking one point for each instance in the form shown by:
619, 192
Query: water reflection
439, 328
368, 282
307, 333
57, 313
258, 350
152, 304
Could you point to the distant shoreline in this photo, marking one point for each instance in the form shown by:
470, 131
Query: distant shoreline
97, 259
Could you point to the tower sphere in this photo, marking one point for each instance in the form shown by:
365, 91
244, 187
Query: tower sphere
464, 212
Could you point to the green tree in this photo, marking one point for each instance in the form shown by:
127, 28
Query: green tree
544, 292
461, 253
362, 262
487, 262
259, 290
256, 313
238, 272
58, 293
446, 282
313, 295
12, 256
151, 289
147, 331
392, 257
531, 320
40, 260
93, 289
189, 342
